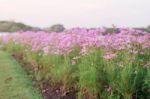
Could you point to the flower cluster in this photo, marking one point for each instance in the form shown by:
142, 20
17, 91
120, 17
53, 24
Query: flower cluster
65, 42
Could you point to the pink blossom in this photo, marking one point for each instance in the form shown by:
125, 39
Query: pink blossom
46, 50
109, 56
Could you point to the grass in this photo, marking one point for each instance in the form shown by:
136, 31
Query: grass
123, 77
14, 82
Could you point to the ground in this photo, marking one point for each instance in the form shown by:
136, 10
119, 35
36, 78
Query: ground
14, 82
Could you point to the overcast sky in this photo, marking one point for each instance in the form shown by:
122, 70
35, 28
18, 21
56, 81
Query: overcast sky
73, 13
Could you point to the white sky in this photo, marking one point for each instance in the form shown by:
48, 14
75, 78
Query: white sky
73, 13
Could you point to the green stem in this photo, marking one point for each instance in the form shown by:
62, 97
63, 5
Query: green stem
127, 96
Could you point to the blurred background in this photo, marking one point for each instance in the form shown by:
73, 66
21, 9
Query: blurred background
58, 15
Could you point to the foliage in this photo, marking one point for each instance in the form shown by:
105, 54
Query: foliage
10, 26
112, 66
56, 28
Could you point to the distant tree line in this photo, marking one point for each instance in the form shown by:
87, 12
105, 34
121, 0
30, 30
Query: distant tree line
11, 26
55, 28
148, 28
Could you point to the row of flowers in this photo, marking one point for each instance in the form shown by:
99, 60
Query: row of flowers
64, 43
102, 65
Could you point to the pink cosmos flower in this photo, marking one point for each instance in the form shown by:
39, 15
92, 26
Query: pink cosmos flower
46, 50
110, 56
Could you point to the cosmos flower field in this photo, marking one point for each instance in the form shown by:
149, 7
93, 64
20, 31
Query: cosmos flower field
95, 63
